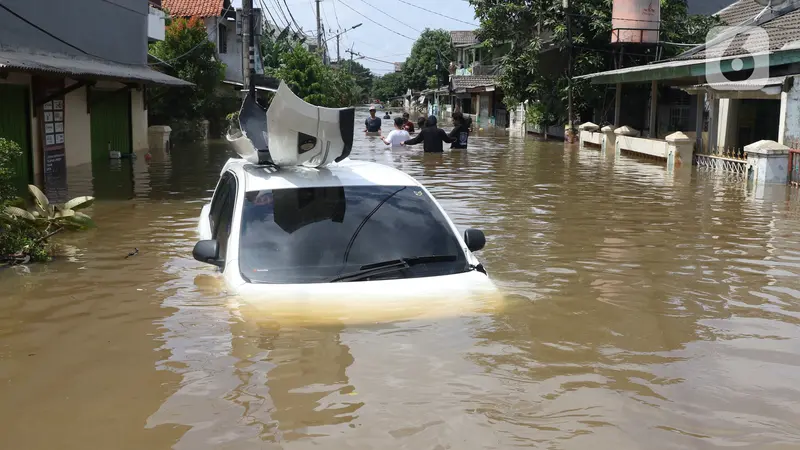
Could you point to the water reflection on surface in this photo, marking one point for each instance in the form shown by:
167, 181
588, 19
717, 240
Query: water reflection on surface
643, 310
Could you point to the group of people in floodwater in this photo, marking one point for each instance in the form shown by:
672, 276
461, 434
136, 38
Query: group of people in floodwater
430, 135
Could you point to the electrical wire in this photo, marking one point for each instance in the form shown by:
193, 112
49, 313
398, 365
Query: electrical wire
336, 15
392, 17
289, 10
439, 14
376, 23
277, 4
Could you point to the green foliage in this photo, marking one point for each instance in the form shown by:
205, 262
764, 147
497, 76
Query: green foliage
431, 50
21, 242
532, 74
25, 233
363, 77
192, 57
10, 153
388, 86
315, 82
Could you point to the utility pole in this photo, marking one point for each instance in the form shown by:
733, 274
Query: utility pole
247, 42
338, 57
351, 59
319, 29
571, 117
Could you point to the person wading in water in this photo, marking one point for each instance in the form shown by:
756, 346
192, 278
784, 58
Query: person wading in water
431, 136
372, 123
409, 125
460, 132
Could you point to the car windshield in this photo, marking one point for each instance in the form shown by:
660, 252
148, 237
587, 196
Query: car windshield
314, 235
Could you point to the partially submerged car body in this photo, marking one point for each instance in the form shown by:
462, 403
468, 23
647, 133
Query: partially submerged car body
319, 222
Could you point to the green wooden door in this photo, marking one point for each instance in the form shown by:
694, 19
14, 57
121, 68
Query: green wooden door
111, 123
14, 126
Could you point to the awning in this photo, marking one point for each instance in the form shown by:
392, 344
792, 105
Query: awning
686, 68
83, 67
740, 89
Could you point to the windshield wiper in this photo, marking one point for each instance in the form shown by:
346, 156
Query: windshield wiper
395, 265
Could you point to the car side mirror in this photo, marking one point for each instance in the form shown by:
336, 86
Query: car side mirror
207, 252
474, 239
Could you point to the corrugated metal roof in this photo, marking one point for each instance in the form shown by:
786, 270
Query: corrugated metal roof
676, 69
461, 83
736, 85
459, 38
79, 67
194, 8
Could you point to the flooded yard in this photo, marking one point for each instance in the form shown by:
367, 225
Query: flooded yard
641, 310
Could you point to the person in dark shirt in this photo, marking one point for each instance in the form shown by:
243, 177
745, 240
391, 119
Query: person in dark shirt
421, 123
431, 137
372, 123
460, 132
409, 125
387, 115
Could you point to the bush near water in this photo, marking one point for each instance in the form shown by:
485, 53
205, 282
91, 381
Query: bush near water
25, 233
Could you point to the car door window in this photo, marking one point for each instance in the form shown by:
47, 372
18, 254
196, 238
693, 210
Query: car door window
223, 225
220, 195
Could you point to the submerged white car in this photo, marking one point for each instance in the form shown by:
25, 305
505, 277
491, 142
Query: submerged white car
324, 224
306, 229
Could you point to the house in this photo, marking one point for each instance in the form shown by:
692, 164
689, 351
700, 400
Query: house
728, 111
74, 85
473, 81
224, 26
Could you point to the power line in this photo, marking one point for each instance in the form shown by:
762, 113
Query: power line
392, 17
376, 23
438, 14
333, 2
289, 10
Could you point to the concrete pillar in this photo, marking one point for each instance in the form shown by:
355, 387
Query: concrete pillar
609, 138
158, 137
617, 104
623, 131
789, 131
587, 127
698, 123
713, 124
653, 109
680, 152
767, 162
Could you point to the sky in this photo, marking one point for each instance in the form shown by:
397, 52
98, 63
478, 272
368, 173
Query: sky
373, 38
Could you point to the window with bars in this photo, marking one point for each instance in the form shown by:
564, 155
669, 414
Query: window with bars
679, 112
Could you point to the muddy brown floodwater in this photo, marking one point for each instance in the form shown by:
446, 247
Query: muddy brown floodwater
642, 311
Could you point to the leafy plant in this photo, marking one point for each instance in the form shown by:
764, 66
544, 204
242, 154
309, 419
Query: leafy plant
430, 57
10, 153
52, 218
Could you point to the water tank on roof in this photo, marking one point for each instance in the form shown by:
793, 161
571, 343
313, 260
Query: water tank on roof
635, 22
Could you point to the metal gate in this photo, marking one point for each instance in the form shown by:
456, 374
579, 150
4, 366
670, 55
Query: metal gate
15, 126
111, 122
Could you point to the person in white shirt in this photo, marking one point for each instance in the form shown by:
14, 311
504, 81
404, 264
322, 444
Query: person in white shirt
398, 135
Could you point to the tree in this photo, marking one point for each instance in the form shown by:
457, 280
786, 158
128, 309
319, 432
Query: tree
527, 73
388, 86
186, 53
314, 82
431, 50
363, 76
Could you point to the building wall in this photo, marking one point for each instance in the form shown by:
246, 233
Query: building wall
232, 58
77, 129
138, 121
112, 29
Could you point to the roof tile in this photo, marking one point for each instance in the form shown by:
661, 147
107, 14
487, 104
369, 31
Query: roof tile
194, 8
472, 81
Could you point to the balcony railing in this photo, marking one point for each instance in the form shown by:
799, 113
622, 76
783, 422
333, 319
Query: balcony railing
479, 69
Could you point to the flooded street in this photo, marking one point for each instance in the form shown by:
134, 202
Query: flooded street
643, 310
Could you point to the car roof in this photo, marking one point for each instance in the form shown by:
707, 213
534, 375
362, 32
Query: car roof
346, 173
